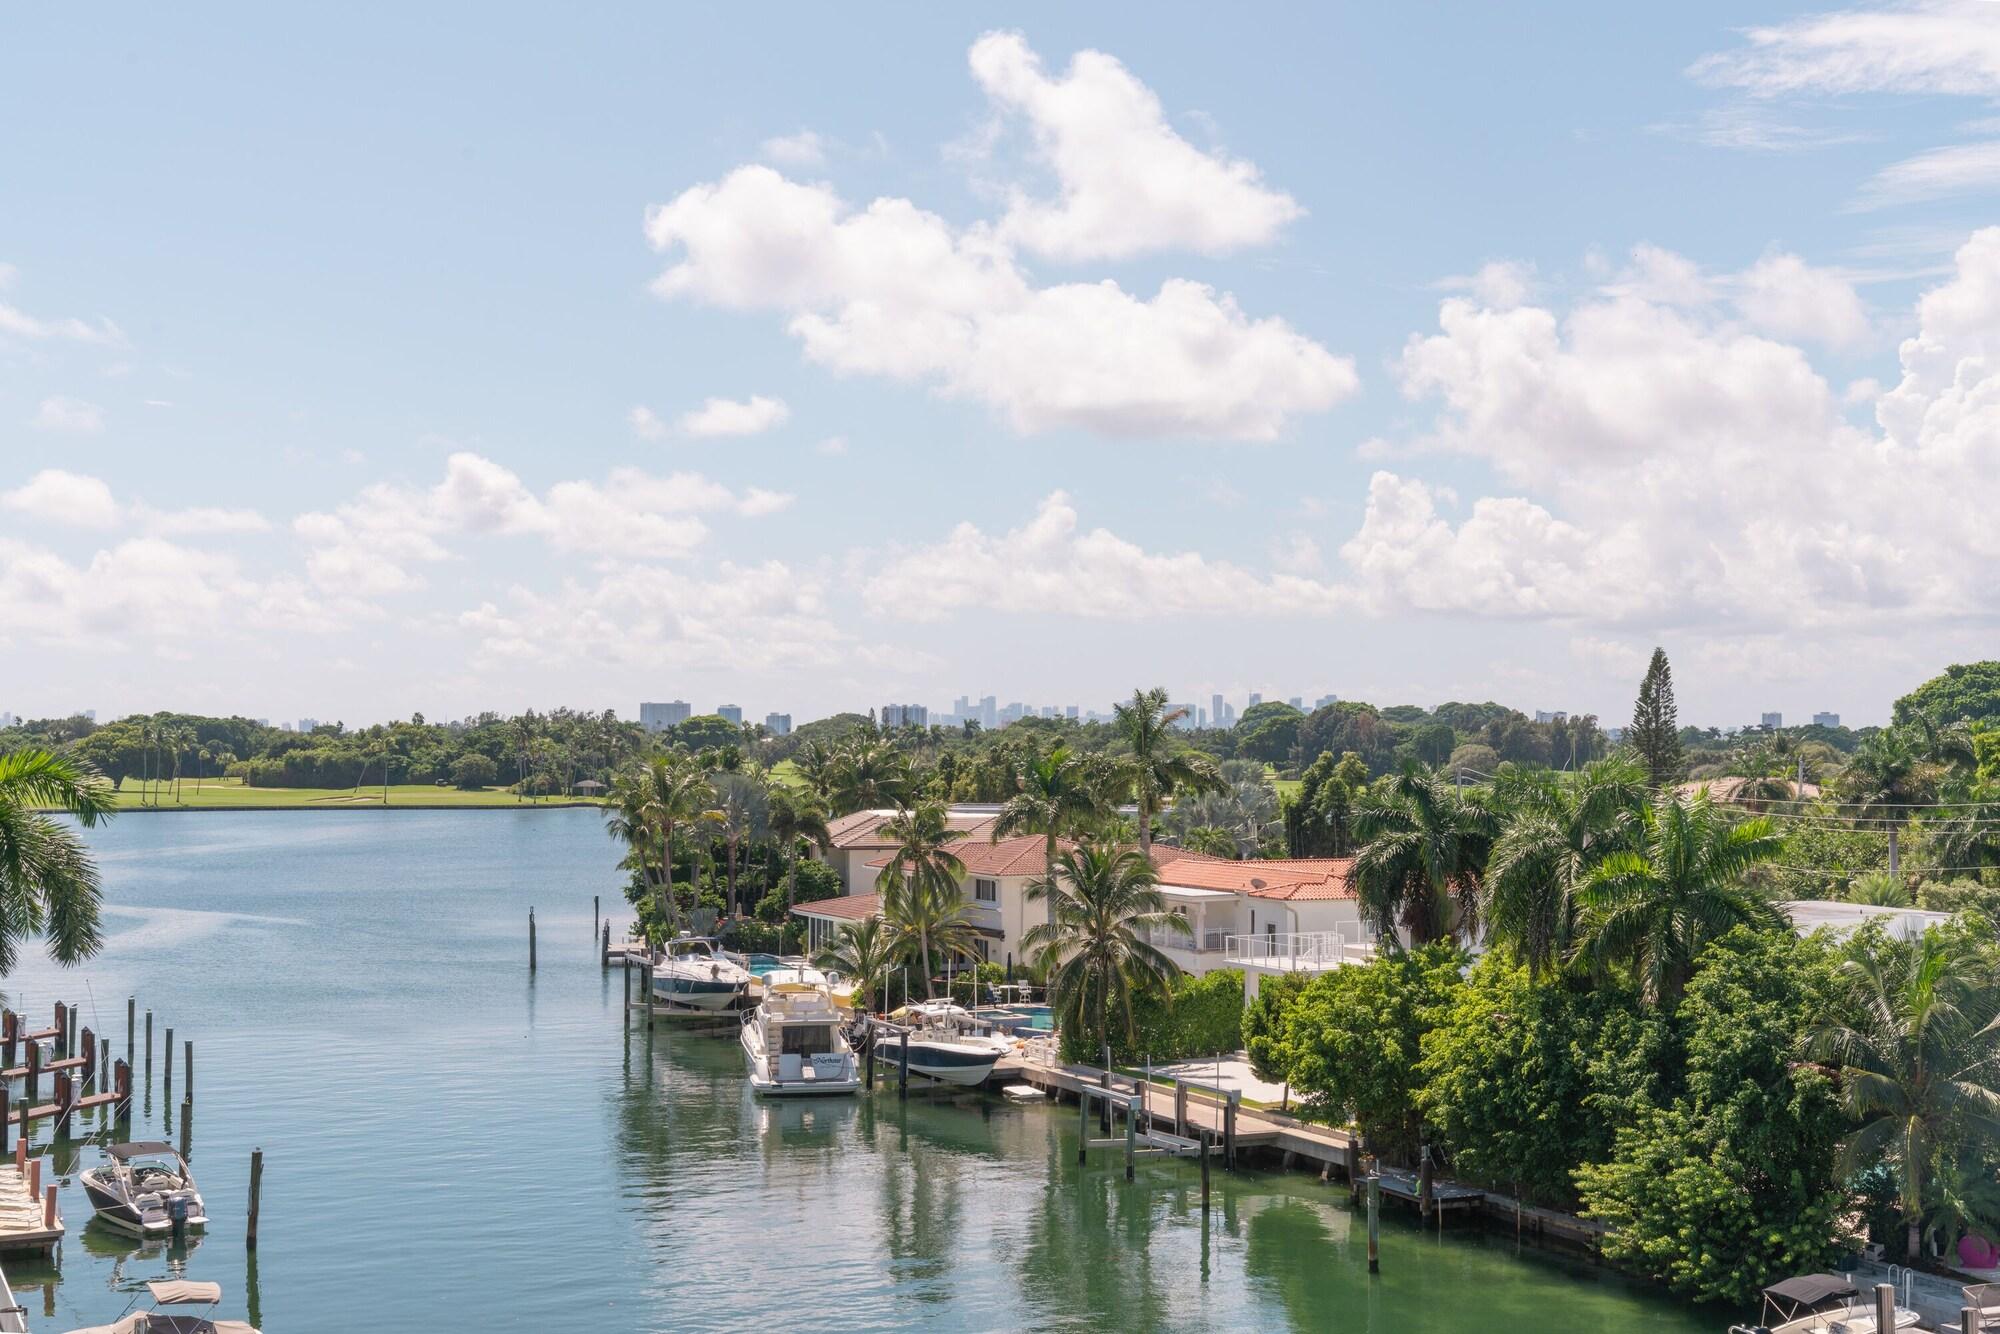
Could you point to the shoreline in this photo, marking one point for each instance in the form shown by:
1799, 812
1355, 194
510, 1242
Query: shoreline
355, 806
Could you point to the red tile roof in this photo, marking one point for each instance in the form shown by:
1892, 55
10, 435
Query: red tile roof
1024, 854
847, 907
1300, 878
859, 831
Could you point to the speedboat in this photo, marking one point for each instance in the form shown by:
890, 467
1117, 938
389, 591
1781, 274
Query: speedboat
144, 1188
1821, 1304
792, 1044
175, 1292
945, 1045
695, 974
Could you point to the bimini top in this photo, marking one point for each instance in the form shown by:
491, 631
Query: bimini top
144, 1148
1810, 1289
184, 1292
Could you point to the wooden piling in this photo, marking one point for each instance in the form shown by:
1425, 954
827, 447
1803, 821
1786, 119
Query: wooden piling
1229, 1133
1374, 1223
122, 1082
34, 1177
1131, 1135
1424, 1187
89, 1054
49, 1209
149, 1040
187, 1130
21, 1151
256, 1188
1968, 1320
531, 940
868, 1050
7, 1119
1207, 1137
903, 1068
167, 1078
62, 1029
34, 1071
1082, 1127
1885, 1306
131, 1028
64, 1104
10, 1034
604, 953
187, 1094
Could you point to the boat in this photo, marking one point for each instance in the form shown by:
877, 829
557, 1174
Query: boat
13, 1315
694, 974
144, 1188
945, 1046
792, 1043
175, 1292
1821, 1304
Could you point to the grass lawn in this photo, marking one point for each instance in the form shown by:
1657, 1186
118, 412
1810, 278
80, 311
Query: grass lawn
787, 773
230, 793
1287, 787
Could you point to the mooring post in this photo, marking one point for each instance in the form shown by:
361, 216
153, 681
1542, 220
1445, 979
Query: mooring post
63, 1104
256, 1187
187, 1130
103, 1070
74, 1015
149, 1041
1206, 1138
1131, 1135
62, 1030
1374, 1222
605, 953
123, 1082
131, 1027
10, 1028
89, 1055
1424, 1182
1968, 1320
34, 1177
1885, 1306
594, 914
1229, 1131
167, 1076
21, 1149
646, 991
1082, 1124
34, 1071
6, 1118
531, 940
903, 1066
49, 1209
187, 1094
868, 1052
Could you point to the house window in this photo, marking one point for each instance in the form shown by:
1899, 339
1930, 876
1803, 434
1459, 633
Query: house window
986, 891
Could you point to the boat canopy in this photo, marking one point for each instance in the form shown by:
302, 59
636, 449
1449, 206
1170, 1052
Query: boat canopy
1808, 1290
184, 1292
144, 1148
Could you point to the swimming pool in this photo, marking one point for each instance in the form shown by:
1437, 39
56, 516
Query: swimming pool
1019, 1018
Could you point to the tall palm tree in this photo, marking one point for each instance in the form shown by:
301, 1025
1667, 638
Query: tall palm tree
1916, 1045
1681, 884
742, 812
1106, 901
1157, 771
649, 803
920, 885
48, 881
1553, 833
797, 816
1424, 846
868, 773
1885, 780
1056, 795
1966, 836
814, 763
865, 951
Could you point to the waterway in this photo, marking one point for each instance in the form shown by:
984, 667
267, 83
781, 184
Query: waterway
451, 1143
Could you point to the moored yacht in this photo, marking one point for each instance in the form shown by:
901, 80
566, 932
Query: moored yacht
946, 1046
176, 1292
792, 1043
1822, 1304
144, 1188
693, 973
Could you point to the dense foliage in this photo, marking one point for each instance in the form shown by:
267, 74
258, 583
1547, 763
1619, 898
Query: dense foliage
1195, 1016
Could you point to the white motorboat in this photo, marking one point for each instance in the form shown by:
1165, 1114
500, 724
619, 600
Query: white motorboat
175, 1292
144, 1188
1821, 1304
792, 1043
945, 1043
694, 974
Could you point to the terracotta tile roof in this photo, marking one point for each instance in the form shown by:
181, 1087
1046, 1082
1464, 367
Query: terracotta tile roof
1292, 878
858, 831
1165, 854
846, 907
1021, 855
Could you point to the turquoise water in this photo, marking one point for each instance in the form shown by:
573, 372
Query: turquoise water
453, 1145
1040, 1018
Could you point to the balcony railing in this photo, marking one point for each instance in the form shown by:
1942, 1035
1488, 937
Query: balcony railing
1299, 949
1211, 942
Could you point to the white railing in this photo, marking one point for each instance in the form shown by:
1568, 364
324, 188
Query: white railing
1208, 943
1299, 949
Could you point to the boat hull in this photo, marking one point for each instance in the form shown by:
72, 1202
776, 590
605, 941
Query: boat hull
951, 1062
697, 993
115, 1211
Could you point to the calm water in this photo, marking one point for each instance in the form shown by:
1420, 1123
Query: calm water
451, 1145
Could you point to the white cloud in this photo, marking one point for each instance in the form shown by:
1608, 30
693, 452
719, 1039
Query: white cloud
807, 148
369, 546
646, 423
20, 324
729, 417
1958, 169
1783, 295
68, 414
1051, 566
70, 499
896, 291
833, 446
1128, 184
1943, 46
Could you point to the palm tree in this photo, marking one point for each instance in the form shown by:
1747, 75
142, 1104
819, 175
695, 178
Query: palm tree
1157, 771
1885, 780
48, 881
797, 816
867, 774
1106, 901
864, 951
1915, 1043
920, 885
1681, 884
1967, 837
814, 763
1423, 852
1554, 831
1056, 795
742, 810
649, 803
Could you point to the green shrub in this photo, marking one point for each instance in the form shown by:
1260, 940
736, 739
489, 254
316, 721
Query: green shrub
473, 770
1202, 1016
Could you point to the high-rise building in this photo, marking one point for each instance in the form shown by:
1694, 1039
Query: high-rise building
1298, 702
731, 713
1826, 720
1070, 712
1773, 720
6, 719
1215, 710
308, 724
659, 717
904, 715
1543, 716
989, 712
962, 706
1255, 700
1325, 701
778, 724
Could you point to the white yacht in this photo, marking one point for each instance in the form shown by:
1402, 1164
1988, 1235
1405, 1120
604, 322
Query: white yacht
694, 974
1822, 1304
144, 1188
792, 1043
944, 1043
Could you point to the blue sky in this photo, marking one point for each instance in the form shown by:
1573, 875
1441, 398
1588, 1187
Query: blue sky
488, 357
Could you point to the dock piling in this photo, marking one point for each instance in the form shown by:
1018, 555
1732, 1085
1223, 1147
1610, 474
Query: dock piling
89, 1055
1374, 1223
10, 1031
903, 1067
34, 1070
167, 1078
62, 1029
149, 1042
1082, 1127
65, 1103
1131, 1134
187, 1094
605, 952
256, 1189
1968, 1320
1207, 1143
187, 1130
531, 940
122, 1081
49, 1209
1424, 1186
1229, 1132
131, 1027
868, 1045
593, 915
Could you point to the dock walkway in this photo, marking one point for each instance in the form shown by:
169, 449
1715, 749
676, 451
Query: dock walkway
27, 1223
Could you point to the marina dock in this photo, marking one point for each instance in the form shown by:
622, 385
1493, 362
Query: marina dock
29, 1217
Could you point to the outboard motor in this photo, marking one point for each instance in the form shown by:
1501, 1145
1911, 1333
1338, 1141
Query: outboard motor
177, 1212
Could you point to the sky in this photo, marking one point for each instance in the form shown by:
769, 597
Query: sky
448, 358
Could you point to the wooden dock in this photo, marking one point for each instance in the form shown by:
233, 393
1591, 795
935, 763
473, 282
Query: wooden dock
30, 1219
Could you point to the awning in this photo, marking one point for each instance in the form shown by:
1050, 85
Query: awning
184, 1291
1811, 1289
140, 1148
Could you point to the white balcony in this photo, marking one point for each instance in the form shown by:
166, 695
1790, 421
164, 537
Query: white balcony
1297, 951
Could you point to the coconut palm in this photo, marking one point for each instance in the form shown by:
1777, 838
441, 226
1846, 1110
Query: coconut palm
742, 812
866, 774
797, 816
1885, 780
1915, 1041
1682, 883
1106, 900
649, 804
1553, 832
48, 881
865, 951
1424, 845
1156, 770
920, 885
1057, 795
1965, 835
